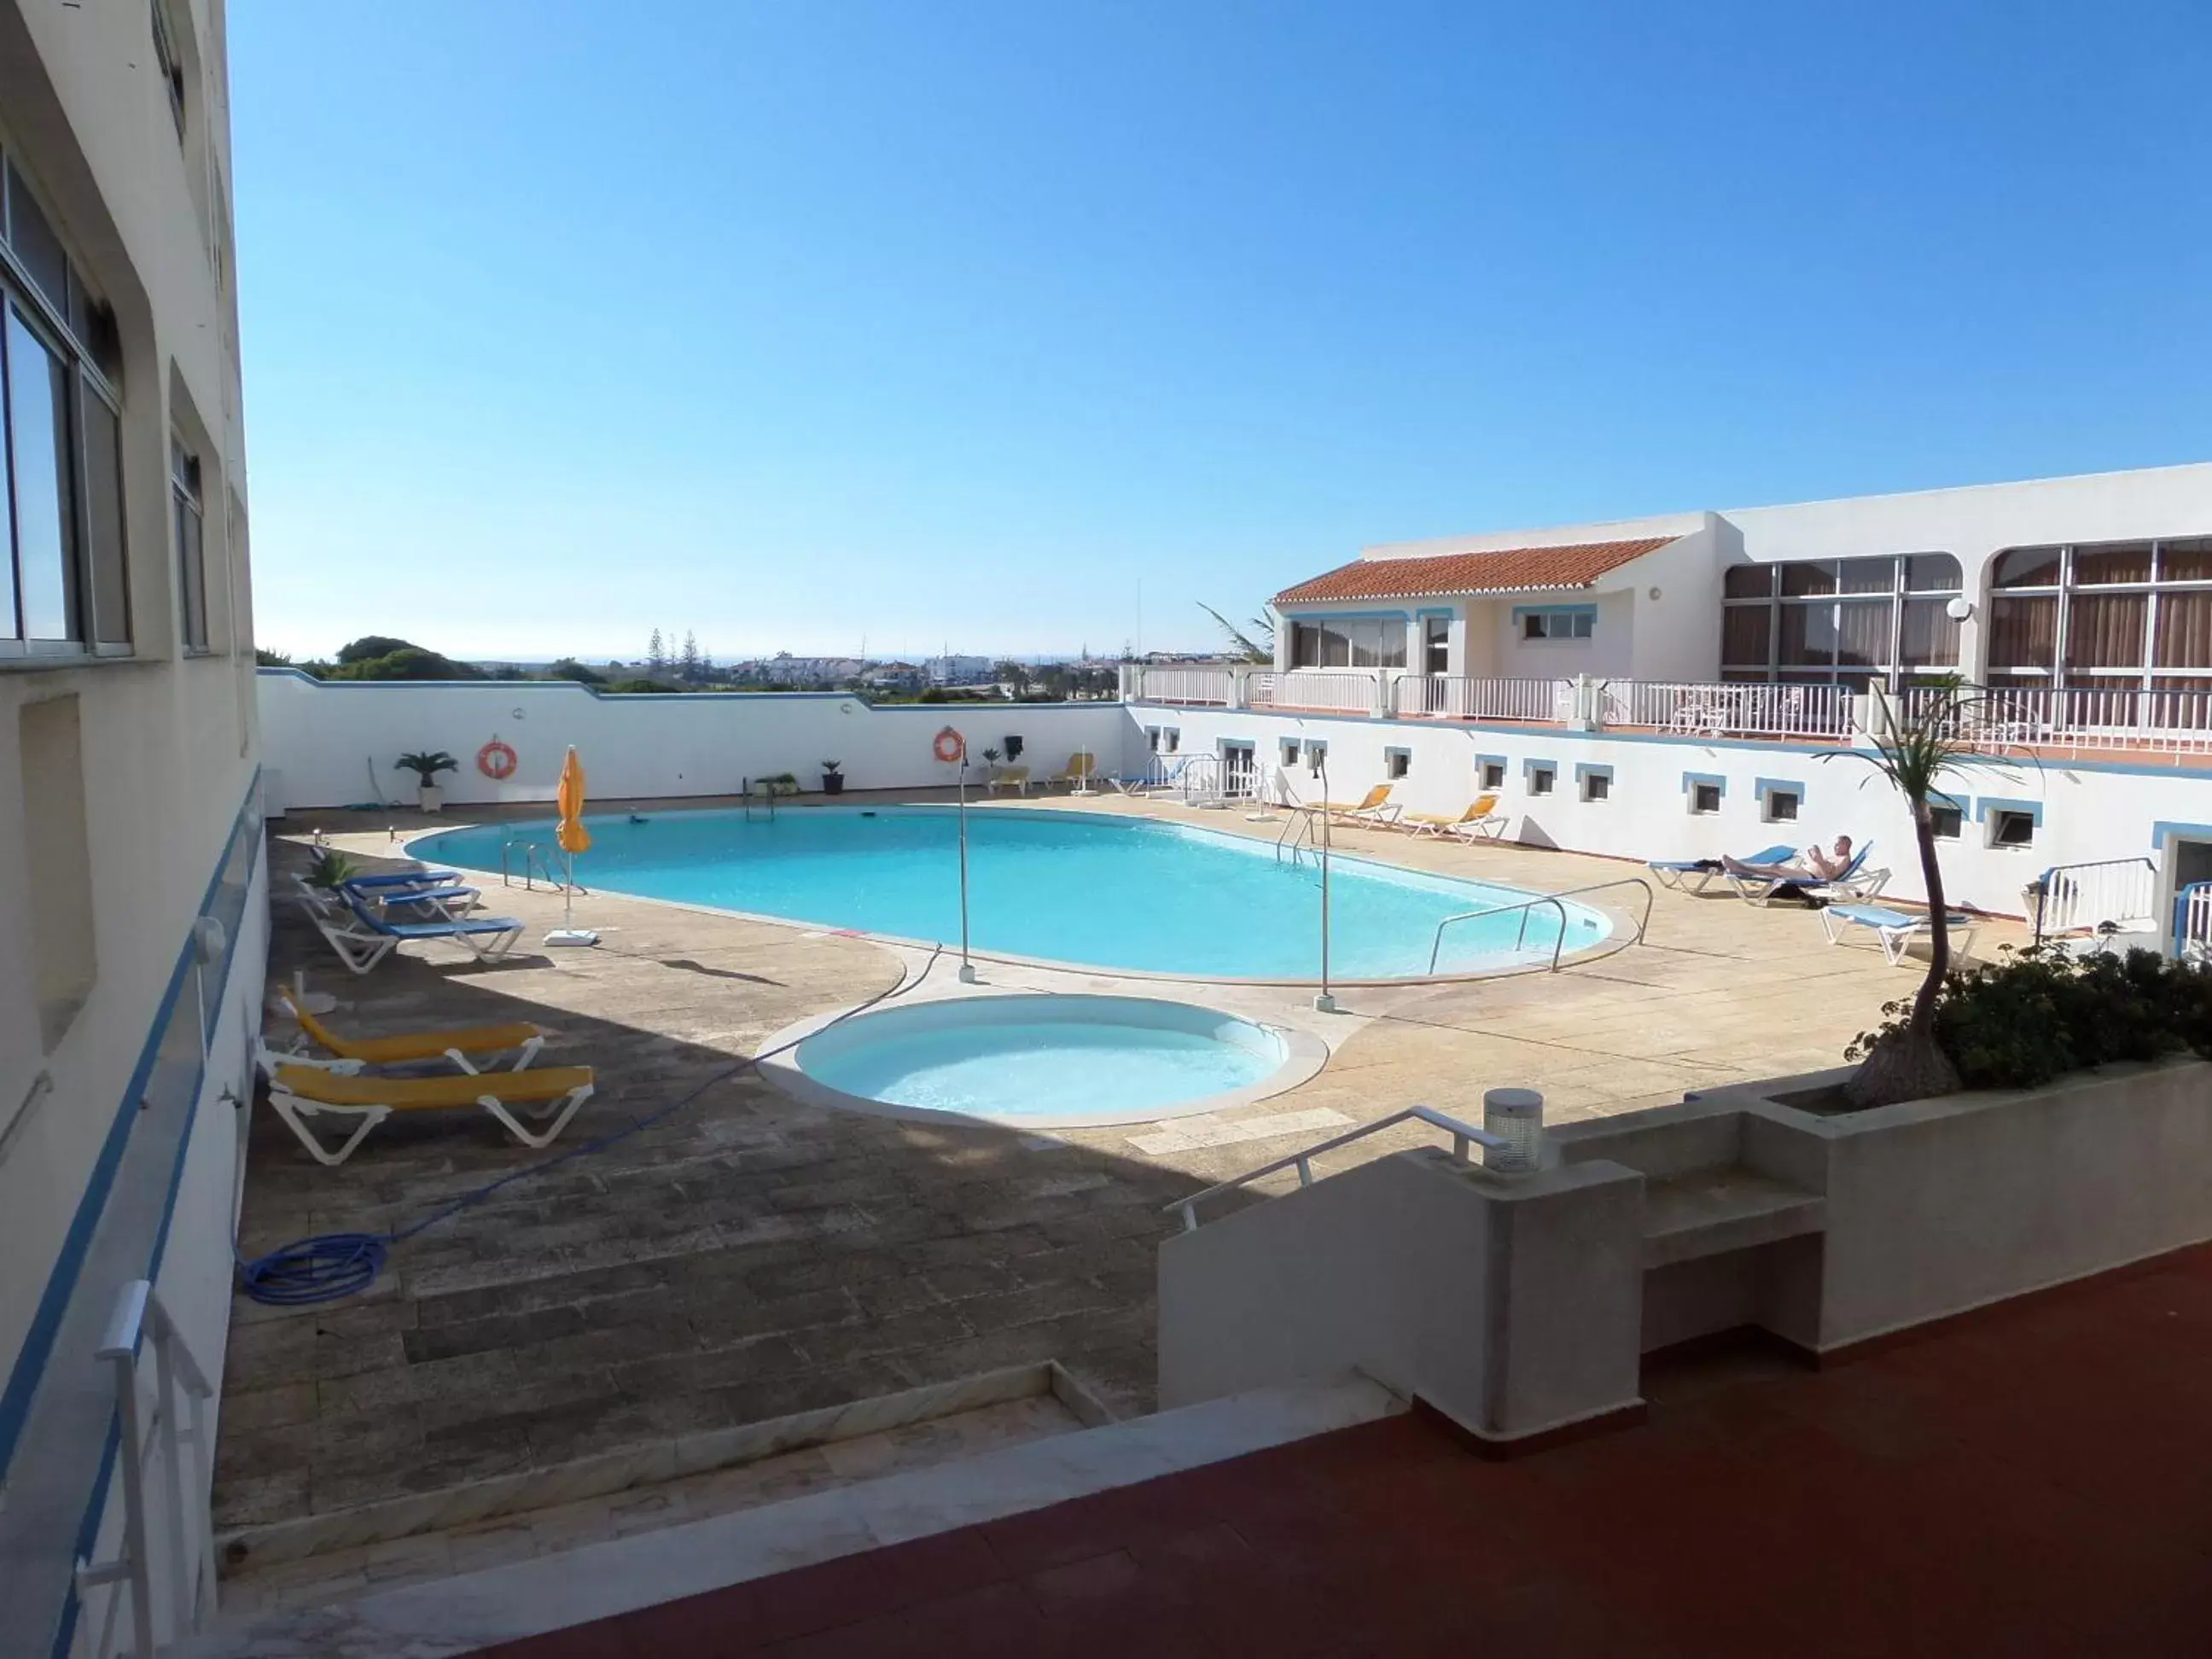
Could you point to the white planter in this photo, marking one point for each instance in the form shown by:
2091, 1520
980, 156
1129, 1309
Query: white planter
431, 798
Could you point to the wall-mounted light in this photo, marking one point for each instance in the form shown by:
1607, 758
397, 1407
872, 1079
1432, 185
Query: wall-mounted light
1959, 609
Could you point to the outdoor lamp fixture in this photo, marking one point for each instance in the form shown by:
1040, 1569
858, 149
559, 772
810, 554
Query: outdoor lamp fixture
1516, 1116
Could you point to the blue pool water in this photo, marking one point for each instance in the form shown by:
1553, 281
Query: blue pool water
1110, 892
1006, 1059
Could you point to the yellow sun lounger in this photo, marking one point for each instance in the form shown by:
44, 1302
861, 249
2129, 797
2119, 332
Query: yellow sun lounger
299, 1092
456, 1045
1481, 819
1373, 807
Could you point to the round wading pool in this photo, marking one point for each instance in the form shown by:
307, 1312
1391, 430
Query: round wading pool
1040, 1061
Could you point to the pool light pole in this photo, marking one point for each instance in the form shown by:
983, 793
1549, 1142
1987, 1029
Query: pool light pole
967, 968
1324, 1002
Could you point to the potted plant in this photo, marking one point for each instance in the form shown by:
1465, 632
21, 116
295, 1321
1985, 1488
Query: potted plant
833, 781
330, 870
426, 764
990, 762
782, 783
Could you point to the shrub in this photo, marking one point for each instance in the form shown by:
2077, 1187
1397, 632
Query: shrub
2041, 1013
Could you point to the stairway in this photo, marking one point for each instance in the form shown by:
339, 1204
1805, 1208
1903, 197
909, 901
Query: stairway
459, 1613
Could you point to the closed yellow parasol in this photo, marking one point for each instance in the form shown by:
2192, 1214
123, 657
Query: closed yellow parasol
573, 838
571, 834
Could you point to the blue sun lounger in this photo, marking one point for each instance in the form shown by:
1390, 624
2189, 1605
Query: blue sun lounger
1895, 930
362, 938
1695, 875
1759, 885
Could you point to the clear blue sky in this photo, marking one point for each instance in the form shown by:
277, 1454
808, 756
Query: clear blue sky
793, 324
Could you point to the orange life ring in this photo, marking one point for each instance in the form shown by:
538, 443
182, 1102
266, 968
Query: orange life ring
497, 761
950, 746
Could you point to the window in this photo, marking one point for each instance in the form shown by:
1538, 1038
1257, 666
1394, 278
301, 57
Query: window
1596, 782
171, 66
1436, 645
1852, 622
1492, 772
1576, 621
1290, 752
1315, 754
1396, 763
1237, 765
64, 590
1171, 739
1542, 780
1705, 799
191, 552
2116, 617
1153, 739
1349, 642
1944, 822
2012, 827
1780, 805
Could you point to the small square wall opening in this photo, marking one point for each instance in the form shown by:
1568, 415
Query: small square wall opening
1597, 786
1705, 799
1396, 763
1493, 774
1944, 823
1542, 780
1780, 806
2008, 828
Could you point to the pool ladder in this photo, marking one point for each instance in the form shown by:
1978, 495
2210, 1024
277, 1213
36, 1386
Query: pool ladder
767, 795
537, 862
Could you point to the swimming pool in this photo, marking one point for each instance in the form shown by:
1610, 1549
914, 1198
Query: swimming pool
1040, 1061
1135, 894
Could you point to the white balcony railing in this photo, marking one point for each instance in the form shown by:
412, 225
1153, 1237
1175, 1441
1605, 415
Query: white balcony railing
1347, 690
1202, 687
2073, 718
2196, 907
2114, 895
1745, 710
1456, 696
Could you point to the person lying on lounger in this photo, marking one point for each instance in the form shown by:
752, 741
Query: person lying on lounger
1816, 866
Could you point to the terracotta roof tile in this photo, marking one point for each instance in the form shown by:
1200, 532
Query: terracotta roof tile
1501, 570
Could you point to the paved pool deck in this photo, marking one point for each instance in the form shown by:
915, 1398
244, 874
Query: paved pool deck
746, 1257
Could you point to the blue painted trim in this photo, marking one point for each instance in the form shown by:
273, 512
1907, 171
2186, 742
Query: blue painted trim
1984, 804
1959, 803
1347, 615
1429, 611
1531, 764
1520, 610
69, 1261
2162, 832
1493, 759
1591, 770
1718, 780
1792, 785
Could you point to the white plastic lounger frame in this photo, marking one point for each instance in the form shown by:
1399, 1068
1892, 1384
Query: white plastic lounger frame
294, 1110
1685, 875
362, 941
1895, 930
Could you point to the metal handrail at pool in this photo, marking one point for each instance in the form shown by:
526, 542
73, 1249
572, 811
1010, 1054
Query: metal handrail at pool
1437, 945
1462, 1134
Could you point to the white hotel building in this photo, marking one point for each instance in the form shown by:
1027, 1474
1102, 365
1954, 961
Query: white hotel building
1682, 686
132, 916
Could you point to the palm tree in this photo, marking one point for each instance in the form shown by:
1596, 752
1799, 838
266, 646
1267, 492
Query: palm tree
1258, 645
1916, 752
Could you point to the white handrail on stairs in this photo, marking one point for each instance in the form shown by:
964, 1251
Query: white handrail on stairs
1462, 1134
139, 1317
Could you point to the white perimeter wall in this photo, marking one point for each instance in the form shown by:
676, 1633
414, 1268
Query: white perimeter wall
319, 740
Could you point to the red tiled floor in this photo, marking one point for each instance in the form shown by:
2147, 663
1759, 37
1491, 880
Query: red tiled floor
2036, 1479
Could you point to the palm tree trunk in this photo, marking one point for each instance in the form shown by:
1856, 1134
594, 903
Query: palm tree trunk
1939, 934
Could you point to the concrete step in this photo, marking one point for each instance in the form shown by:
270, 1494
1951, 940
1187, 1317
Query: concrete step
457, 1614
297, 1563
1708, 1211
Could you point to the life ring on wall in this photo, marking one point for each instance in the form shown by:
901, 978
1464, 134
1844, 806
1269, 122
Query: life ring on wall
950, 746
497, 761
